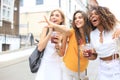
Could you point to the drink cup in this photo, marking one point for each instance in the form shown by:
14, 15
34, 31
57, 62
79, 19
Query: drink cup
53, 37
87, 50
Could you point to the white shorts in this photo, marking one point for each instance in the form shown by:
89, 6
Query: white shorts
109, 70
70, 75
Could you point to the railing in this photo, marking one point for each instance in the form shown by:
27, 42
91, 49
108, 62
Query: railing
12, 42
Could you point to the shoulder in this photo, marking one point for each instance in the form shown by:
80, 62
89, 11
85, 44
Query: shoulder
94, 32
117, 26
72, 30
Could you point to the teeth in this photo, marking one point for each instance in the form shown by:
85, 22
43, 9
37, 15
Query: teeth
94, 20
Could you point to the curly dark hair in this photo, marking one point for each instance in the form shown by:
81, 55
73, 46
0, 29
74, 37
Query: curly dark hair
86, 28
108, 19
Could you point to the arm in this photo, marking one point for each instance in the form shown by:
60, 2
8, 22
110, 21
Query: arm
91, 55
116, 34
56, 27
61, 46
44, 39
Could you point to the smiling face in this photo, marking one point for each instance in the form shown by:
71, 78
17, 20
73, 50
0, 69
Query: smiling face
57, 17
79, 20
94, 18
102, 18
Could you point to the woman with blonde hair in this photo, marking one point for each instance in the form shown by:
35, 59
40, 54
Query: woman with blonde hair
53, 43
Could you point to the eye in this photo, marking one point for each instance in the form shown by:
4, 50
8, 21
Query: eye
90, 16
80, 17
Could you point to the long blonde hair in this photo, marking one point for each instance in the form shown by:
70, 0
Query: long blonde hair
62, 15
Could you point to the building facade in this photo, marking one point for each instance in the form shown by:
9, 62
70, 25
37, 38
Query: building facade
31, 14
22, 17
9, 25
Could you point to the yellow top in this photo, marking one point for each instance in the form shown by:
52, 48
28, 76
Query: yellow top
71, 57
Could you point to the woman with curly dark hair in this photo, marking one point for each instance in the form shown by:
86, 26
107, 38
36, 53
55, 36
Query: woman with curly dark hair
103, 40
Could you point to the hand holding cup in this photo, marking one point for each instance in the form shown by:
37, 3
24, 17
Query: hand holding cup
87, 50
55, 37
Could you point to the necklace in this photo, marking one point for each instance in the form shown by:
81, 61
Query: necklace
101, 37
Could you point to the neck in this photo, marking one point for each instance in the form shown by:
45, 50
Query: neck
100, 28
81, 31
82, 35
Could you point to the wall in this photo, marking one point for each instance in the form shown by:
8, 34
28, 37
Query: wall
13, 41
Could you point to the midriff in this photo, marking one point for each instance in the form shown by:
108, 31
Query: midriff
114, 56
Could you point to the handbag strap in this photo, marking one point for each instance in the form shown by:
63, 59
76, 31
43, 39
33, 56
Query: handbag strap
86, 38
78, 62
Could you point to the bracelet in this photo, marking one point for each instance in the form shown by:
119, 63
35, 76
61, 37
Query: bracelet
95, 54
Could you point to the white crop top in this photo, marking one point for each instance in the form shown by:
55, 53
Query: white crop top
108, 47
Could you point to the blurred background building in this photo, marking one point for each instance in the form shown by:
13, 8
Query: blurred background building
19, 27
19, 20
33, 11
9, 25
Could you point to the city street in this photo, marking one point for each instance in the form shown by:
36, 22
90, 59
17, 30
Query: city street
15, 66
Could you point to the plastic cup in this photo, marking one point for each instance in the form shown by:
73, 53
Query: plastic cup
87, 49
53, 37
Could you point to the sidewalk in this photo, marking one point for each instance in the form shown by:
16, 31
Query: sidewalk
16, 63
8, 58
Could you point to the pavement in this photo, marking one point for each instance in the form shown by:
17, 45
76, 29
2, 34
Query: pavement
15, 66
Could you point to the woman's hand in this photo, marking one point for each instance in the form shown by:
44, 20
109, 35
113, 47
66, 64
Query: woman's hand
58, 48
90, 54
50, 24
116, 34
56, 37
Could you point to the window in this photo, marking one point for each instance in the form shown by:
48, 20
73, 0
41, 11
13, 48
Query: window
39, 2
59, 3
7, 9
69, 5
21, 2
23, 25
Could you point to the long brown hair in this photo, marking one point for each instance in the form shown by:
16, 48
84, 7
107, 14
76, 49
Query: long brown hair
108, 19
86, 28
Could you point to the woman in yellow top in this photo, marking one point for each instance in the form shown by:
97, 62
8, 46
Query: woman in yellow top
77, 36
